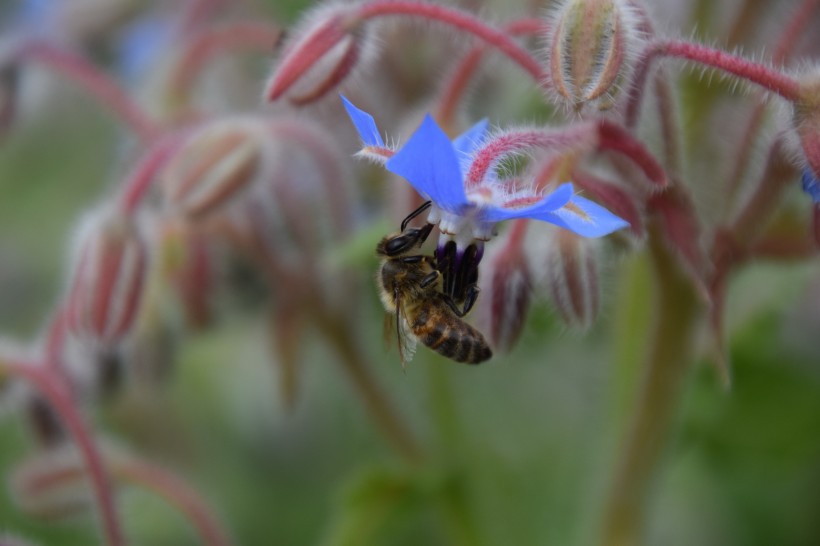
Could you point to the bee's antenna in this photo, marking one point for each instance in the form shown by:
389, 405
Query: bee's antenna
415, 213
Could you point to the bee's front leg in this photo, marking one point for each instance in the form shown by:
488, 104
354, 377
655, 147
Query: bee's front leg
469, 301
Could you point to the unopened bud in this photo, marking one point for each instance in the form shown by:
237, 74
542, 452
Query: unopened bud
572, 276
327, 47
108, 278
187, 265
52, 483
213, 166
510, 292
591, 45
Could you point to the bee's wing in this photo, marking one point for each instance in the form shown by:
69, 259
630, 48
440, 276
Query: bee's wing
406, 338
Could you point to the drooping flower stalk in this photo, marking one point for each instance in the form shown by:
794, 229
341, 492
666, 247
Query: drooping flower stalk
757, 73
460, 78
139, 181
578, 137
582, 137
178, 493
335, 41
788, 41
203, 47
105, 89
56, 394
458, 19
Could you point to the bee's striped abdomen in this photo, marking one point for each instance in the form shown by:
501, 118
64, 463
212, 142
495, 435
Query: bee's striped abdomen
439, 329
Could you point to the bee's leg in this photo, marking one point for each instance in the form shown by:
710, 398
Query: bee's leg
470, 298
416, 258
466, 273
430, 279
424, 232
415, 213
469, 301
446, 263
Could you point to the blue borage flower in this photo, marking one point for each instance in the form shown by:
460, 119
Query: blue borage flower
811, 185
436, 168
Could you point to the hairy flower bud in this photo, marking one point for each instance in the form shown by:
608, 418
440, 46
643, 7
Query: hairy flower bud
510, 291
187, 265
591, 44
327, 47
108, 277
52, 483
213, 165
572, 277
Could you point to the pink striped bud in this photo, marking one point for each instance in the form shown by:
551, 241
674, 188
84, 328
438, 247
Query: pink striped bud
510, 290
327, 47
188, 267
108, 277
591, 48
213, 166
52, 484
572, 277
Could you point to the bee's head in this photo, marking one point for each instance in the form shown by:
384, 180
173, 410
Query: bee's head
396, 245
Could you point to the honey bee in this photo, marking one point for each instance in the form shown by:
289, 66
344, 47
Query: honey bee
409, 287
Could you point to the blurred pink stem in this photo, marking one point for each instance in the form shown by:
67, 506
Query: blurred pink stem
207, 44
464, 72
92, 79
55, 393
458, 19
177, 493
142, 176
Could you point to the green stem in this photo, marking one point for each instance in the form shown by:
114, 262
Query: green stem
355, 365
678, 311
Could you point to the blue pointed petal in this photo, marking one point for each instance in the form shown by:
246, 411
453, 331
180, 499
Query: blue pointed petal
550, 203
428, 161
365, 124
597, 223
469, 141
811, 185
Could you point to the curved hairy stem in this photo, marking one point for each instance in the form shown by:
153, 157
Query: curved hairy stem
56, 394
